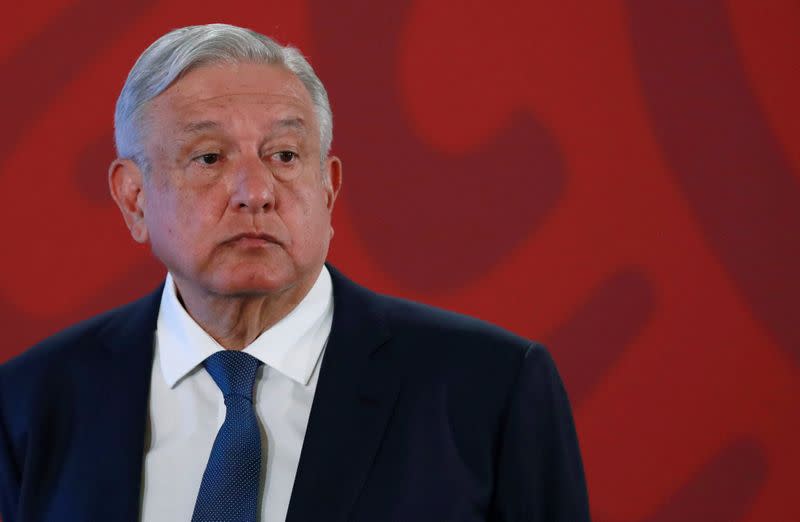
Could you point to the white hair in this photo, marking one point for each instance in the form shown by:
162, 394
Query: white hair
181, 50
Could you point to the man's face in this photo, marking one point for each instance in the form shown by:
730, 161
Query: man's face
237, 201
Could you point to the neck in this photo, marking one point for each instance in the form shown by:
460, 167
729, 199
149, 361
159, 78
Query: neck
236, 321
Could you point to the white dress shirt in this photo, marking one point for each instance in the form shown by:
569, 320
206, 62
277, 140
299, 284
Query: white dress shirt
186, 407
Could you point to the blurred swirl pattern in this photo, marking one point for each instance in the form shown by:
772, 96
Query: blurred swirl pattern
618, 179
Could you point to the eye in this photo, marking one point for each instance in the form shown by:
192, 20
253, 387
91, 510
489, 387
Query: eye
208, 159
285, 156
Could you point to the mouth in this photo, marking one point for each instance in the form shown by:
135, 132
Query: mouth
252, 239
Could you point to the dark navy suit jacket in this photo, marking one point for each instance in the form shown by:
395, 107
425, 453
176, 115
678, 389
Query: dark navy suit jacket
419, 415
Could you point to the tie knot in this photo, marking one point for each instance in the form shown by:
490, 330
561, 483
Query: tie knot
234, 372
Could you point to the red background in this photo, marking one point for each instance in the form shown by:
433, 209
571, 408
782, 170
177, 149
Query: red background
620, 180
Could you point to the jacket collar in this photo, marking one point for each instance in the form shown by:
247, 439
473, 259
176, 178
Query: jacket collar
128, 339
357, 389
355, 396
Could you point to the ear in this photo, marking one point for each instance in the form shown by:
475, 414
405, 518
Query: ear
126, 182
333, 173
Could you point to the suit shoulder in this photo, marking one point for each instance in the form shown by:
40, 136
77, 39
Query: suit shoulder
70, 343
425, 325
434, 320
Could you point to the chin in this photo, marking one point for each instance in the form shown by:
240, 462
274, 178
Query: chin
254, 281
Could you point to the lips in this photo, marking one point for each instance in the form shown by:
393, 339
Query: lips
253, 239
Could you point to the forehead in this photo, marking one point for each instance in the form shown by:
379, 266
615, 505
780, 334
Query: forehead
220, 90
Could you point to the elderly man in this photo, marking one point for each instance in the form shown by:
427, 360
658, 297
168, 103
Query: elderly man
259, 383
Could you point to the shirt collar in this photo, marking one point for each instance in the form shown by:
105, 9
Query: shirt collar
292, 346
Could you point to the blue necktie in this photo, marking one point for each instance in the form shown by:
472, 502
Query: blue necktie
230, 487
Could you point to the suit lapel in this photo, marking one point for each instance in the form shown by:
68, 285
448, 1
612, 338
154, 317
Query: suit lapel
355, 396
356, 393
119, 415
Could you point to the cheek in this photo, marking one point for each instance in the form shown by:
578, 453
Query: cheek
303, 211
313, 208
162, 222
181, 217
318, 226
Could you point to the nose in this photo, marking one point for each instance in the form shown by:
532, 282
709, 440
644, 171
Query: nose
253, 187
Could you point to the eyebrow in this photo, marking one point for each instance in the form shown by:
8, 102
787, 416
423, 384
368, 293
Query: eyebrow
290, 123
198, 127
